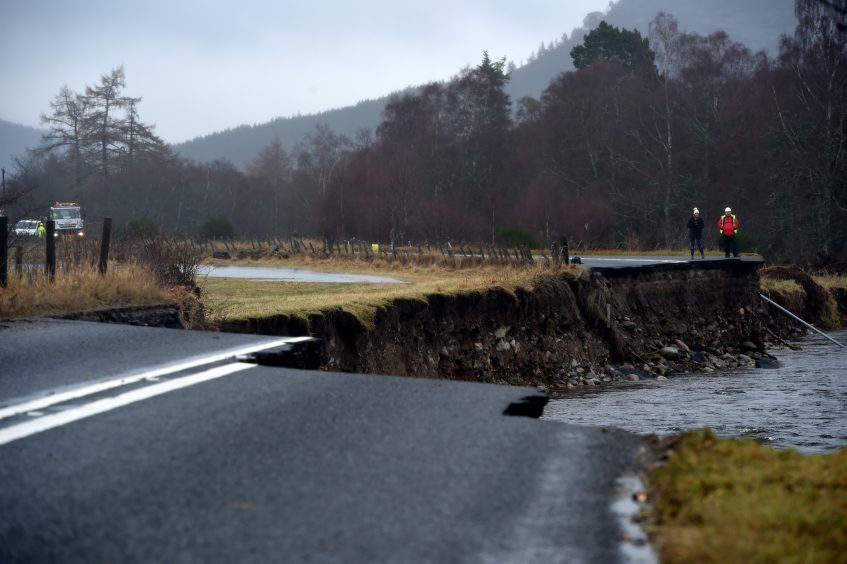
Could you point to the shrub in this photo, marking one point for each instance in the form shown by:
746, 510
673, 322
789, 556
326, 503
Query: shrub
173, 263
517, 237
143, 227
218, 227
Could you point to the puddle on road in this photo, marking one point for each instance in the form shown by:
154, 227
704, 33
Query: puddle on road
275, 274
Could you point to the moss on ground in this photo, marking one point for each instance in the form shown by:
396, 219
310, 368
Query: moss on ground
733, 500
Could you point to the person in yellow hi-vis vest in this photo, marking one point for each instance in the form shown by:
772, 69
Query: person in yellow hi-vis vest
375, 248
40, 230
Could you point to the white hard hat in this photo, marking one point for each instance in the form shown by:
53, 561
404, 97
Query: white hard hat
696, 210
728, 209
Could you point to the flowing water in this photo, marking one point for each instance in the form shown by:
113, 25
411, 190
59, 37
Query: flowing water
802, 405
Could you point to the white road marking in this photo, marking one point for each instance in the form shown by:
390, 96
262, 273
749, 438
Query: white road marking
47, 422
47, 401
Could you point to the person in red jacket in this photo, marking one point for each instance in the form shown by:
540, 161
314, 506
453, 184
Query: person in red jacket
728, 226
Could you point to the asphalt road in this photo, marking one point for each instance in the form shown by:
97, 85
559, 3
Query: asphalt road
619, 261
128, 444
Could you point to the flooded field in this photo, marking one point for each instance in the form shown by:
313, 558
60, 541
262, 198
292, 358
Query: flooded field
268, 273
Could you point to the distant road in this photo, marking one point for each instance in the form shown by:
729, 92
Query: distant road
603, 261
133, 444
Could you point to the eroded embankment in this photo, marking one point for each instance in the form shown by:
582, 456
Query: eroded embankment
588, 323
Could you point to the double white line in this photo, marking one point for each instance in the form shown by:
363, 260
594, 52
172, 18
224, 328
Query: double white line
45, 422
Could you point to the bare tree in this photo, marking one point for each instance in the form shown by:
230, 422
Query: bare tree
273, 166
104, 100
67, 132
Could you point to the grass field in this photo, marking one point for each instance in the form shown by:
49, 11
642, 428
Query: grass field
232, 299
733, 500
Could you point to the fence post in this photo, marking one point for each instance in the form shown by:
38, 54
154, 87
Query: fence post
19, 259
4, 251
50, 242
104, 244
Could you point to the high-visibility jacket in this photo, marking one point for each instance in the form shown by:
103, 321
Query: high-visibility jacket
40, 231
728, 225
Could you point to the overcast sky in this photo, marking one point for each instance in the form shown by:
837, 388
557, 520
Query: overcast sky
203, 66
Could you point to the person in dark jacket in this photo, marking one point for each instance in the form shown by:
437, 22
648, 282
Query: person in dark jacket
695, 233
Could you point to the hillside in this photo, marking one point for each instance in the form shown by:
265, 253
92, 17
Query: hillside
241, 144
757, 23
14, 140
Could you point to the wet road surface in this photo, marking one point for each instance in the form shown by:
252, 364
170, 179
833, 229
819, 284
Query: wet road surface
207, 459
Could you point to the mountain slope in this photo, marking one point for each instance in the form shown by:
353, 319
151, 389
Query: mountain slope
241, 144
14, 141
757, 23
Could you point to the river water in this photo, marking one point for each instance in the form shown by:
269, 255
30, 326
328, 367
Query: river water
802, 405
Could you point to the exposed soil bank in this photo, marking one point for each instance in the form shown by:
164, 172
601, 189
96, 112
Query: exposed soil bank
161, 315
567, 328
184, 311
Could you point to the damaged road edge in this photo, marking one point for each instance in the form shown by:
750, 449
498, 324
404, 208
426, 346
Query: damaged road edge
528, 406
305, 354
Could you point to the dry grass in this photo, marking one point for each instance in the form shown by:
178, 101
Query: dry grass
830, 280
233, 299
733, 500
78, 289
141, 273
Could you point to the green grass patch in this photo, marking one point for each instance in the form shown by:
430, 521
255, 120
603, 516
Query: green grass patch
831, 317
784, 287
733, 500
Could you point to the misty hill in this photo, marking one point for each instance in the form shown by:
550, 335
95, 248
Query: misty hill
241, 144
14, 140
757, 23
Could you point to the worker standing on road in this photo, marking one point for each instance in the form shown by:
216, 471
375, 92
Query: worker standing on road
40, 229
695, 232
728, 225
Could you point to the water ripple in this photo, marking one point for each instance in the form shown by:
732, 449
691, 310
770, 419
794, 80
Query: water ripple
802, 405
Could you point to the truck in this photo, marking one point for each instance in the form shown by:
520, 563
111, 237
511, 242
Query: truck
69, 218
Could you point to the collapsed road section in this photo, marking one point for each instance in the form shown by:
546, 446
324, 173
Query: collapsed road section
258, 462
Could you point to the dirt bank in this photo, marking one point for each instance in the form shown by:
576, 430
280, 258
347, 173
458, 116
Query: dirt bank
568, 330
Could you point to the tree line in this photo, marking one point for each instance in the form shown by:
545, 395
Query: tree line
615, 153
